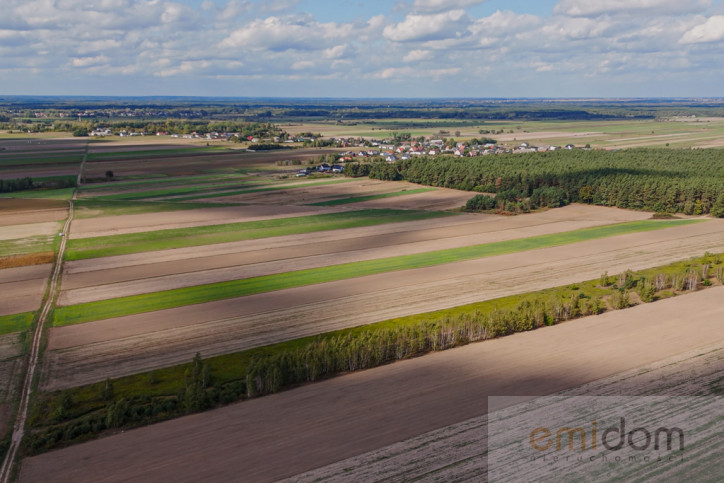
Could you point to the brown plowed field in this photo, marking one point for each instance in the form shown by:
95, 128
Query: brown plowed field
455, 452
194, 163
295, 431
22, 288
103, 283
16, 211
93, 351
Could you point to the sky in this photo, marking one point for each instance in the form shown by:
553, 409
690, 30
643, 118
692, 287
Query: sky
359, 49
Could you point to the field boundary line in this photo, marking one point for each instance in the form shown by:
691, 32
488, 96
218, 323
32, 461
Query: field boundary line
27, 390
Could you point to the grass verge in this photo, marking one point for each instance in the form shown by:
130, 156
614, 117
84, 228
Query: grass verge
15, 322
83, 248
136, 304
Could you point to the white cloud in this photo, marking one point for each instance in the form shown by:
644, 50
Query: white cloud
429, 27
440, 5
417, 55
277, 34
710, 31
589, 8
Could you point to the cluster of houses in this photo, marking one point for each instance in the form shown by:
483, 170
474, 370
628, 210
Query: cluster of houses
394, 152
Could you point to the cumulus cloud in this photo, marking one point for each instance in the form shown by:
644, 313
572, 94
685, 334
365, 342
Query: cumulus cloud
710, 31
418, 55
440, 5
277, 34
588, 8
429, 27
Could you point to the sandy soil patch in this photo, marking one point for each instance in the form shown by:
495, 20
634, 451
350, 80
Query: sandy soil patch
454, 453
13, 232
295, 431
117, 225
93, 351
80, 285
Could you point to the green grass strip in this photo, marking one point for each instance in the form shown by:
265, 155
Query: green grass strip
136, 304
59, 194
15, 323
103, 246
358, 199
259, 190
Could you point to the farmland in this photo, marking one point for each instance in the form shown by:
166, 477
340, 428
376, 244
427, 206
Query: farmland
178, 248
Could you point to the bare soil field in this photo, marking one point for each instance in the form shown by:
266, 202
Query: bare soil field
92, 351
11, 232
118, 225
315, 425
456, 452
89, 280
22, 288
199, 163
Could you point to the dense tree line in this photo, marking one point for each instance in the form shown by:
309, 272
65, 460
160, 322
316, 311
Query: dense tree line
23, 184
661, 180
58, 419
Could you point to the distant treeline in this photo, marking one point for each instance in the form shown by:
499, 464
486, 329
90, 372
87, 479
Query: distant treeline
661, 180
24, 184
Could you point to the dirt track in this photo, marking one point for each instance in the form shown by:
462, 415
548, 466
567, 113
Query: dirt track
93, 351
315, 425
89, 280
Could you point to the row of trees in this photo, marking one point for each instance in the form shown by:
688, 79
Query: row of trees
62, 420
681, 181
23, 184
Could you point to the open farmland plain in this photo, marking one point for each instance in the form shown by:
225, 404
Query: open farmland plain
296, 431
177, 250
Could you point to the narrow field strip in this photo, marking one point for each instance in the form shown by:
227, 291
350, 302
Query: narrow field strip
75, 314
156, 153
15, 323
166, 181
184, 190
219, 194
93, 208
95, 247
358, 199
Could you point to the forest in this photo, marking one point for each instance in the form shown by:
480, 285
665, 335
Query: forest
660, 180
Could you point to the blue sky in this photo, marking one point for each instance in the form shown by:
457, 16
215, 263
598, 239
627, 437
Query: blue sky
352, 48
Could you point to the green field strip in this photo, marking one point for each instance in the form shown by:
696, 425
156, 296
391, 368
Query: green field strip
83, 248
60, 194
259, 190
155, 153
92, 208
358, 199
15, 323
136, 304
